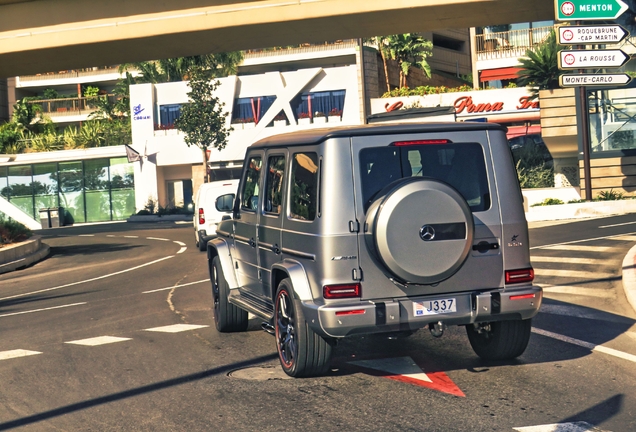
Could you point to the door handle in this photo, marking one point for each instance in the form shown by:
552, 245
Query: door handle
276, 249
252, 242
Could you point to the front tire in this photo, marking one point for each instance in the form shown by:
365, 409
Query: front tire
502, 340
227, 317
302, 352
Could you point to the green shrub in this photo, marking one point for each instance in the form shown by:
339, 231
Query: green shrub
548, 201
609, 196
13, 232
576, 201
143, 212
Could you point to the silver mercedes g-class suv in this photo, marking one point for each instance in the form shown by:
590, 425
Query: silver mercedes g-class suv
371, 229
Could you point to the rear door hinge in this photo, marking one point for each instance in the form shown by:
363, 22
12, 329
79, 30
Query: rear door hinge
354, 226
357, 274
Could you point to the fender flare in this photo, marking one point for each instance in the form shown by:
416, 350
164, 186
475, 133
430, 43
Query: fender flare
296, 273
219, 247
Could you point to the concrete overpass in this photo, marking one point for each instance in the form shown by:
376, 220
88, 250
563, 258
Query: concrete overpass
51, 35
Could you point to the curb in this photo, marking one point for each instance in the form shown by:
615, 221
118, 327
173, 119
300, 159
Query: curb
580, 210
155, 218
23, 254
629, 276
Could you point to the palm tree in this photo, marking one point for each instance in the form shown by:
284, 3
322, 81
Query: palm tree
540, 67
410, 50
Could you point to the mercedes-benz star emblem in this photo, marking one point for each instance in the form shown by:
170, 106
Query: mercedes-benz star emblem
427, 233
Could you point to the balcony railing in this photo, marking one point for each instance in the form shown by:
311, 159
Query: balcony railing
301, 49
76, 73
509, 44
69, 106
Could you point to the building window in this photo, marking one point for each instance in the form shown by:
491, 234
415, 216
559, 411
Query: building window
251, 109
318, 104
612, 121
167, 115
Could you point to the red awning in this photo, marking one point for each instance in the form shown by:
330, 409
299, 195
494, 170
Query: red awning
516, 131
499, 74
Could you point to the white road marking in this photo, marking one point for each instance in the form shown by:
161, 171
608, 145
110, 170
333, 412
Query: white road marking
176, 286
588, 345
179, 243
629, 238
404, 366
182, 250
615, 225
579, 248
578, 274
5, 355
130, 236
176, 328
157, 238
581, 291
43, 309
86, 235
569, 260
560, 427
88, 280
100, 340
110, 235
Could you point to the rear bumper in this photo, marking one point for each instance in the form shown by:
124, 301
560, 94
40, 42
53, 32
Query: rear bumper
388, 315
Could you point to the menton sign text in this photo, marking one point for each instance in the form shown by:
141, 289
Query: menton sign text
581, 10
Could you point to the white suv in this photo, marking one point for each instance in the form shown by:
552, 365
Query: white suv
209, 210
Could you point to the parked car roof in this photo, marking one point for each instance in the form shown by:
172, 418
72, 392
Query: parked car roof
314, 136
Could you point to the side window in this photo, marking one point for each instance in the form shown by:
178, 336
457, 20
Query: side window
274, 184
249, 194
304, 187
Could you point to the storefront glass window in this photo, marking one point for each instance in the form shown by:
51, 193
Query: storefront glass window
122, 184
20, 190
612, 120
45, 186
96, 186
71, 191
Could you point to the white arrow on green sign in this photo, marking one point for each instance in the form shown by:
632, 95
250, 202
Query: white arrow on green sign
591, 34
581, 10
576, 80
586, 59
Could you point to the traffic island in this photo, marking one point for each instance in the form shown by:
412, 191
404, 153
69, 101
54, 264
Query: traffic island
20, 255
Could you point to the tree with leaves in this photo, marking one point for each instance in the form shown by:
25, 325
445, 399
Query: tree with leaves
540, 66
410, 50
203, 119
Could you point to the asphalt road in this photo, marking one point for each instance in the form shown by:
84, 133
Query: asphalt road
114, 331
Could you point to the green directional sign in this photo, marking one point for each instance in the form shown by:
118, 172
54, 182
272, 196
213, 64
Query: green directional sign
581, 10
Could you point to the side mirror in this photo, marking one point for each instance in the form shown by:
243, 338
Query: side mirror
225, 203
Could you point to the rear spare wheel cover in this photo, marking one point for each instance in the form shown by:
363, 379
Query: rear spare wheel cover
422, 230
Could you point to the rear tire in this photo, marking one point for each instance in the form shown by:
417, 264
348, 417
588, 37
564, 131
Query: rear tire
302, 352
502, 340
227, 317
202, 245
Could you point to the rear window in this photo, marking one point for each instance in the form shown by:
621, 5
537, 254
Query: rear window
459, 164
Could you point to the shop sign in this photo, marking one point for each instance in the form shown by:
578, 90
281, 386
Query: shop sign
138, 113
465, 105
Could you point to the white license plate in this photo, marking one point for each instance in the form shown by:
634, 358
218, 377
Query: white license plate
434, 307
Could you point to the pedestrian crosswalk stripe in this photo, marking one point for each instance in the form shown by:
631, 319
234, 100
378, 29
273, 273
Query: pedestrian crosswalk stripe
5, 355
577, 274
581, 291
571, 260
176, 328
579, 248
100, 340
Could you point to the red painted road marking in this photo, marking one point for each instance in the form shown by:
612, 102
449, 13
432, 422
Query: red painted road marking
405, 370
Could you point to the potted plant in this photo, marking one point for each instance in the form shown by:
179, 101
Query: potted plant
335, 115
237, 123
249, 123
304, 118
320, 117
280, 120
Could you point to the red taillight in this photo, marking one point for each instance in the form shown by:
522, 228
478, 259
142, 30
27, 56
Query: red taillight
351, 312
519, 276
341, 291
421, 142
522, 296
201, 217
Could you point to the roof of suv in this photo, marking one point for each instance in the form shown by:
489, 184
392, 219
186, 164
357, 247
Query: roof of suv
313, 136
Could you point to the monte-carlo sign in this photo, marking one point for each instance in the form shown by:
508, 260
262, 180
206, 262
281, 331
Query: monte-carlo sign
589, 10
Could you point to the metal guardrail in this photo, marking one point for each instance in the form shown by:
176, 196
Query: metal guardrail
509, 44
70, 106
70, 74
